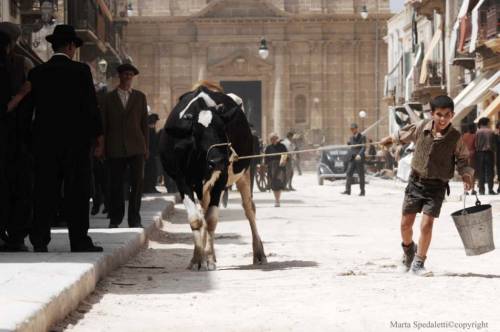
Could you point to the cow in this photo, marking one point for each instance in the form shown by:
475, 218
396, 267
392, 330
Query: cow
202, 137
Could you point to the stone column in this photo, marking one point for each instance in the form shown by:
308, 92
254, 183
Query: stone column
278, 101
199, 54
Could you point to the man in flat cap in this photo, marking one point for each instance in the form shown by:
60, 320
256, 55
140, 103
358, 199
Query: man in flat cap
125, 118
67, 124
356, 160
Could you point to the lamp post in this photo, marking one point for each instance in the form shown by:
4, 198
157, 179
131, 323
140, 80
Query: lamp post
263, 49
362, 115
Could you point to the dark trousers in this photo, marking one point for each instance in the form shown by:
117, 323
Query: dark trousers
73, 166
357, 166
117, 168
16, 195
151, 174
99, 184
485, 169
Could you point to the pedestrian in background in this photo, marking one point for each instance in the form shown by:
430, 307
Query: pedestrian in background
485, 152
497, 152
151, 168
254, 161
125, 115
290, 147
469, 139
18, 161
356, 161
67, 124
276, 167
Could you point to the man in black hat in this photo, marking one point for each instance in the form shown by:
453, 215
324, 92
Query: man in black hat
125, 113
67, 124
356, 160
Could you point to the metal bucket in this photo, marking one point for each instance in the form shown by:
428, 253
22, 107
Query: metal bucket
475, 226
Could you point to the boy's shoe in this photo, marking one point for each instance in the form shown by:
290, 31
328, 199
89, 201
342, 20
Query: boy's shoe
418, 268
408, 255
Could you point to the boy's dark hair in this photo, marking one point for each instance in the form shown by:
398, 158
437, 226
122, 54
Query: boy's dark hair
483, 122
442, 102
290, 134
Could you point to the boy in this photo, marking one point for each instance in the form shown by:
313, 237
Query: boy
438, 148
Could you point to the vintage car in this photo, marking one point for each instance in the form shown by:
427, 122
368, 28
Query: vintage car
333, 165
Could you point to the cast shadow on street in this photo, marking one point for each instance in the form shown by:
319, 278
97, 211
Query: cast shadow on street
274, 266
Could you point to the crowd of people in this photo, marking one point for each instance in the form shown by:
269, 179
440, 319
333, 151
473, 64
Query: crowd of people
48, 168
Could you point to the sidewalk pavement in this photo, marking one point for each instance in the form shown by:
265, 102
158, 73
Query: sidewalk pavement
39, 289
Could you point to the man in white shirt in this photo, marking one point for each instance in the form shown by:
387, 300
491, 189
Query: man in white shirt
126, 135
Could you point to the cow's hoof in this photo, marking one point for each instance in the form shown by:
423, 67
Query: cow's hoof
211, 266
260, 259
198, 266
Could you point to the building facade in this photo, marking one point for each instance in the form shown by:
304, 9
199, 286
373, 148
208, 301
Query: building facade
326, 63
446, 47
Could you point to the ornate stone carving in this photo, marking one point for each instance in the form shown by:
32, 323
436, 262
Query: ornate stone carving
240, 64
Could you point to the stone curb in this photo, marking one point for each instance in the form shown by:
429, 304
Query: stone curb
69, 298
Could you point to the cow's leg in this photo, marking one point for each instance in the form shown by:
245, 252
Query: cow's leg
212, 217
243, 185
198, 227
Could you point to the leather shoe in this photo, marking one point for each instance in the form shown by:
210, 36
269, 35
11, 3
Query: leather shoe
346, 192
491, 192
113, 226
87, 248
362, 193
40, 249
138, 225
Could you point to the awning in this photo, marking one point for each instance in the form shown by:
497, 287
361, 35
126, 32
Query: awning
453, 40
492, 108
475, 26
434, 41
473, 93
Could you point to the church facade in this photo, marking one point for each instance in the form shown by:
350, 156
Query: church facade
325, 62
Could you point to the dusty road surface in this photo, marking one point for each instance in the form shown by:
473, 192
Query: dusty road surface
331, 268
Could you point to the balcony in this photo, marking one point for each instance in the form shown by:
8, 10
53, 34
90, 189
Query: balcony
432, 86
427, 7
479, 30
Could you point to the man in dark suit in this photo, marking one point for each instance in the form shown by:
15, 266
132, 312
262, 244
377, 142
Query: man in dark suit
356, 161
66, 125
125, 115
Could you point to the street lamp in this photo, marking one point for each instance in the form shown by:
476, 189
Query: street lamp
263, 50
103, 67
364, 12
362, 115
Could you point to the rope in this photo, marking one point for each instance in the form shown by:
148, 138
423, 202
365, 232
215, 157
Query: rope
329, 147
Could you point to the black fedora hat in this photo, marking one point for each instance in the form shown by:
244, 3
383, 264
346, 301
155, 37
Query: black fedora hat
127, 67
64, 33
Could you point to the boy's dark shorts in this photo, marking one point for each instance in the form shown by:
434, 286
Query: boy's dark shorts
424, 195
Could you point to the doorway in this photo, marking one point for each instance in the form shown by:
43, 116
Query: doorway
251, 93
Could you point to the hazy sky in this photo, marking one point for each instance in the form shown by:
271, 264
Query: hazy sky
397, 5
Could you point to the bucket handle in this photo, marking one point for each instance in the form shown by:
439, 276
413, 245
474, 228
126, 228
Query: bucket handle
478, 202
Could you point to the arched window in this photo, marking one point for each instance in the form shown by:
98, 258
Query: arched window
300, 109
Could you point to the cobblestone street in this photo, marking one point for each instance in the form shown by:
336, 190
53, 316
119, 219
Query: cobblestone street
332, 267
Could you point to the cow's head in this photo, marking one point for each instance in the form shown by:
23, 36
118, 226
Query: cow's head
198, 123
